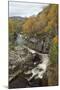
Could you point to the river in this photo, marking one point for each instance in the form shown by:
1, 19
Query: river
36, 68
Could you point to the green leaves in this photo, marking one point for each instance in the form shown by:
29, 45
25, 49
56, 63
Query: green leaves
54, 52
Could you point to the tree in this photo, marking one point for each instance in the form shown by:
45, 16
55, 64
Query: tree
54, 51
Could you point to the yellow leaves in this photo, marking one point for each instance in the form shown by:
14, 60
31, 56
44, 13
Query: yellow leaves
28, 25
53, 11
11, 25
55, 39
45, 21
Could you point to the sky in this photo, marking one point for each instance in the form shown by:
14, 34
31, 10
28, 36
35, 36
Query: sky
25, 9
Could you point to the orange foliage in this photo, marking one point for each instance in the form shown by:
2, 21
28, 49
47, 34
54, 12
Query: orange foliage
55, 39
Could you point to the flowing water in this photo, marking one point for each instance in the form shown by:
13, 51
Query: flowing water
41, 68
25, 57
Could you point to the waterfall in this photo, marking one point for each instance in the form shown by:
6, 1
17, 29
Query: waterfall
40, 69
20, 39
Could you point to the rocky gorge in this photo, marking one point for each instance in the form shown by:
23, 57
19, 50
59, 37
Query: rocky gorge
29, 63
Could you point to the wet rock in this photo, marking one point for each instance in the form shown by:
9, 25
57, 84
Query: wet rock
31, 64
35, 82
18, 82
37, 58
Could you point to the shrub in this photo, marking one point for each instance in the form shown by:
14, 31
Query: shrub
54, 51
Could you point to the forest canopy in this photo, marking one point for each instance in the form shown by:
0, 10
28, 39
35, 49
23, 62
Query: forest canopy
43, 25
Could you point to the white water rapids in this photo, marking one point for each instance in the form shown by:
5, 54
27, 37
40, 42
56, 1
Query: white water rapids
40, 69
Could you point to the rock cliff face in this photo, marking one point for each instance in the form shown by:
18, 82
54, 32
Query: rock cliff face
52, 73
31, 66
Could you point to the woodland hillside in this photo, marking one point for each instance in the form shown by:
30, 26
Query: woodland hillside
43, 26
